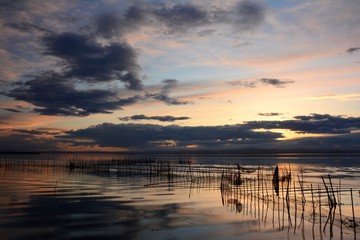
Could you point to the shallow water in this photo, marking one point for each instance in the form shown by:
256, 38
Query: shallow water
38, 201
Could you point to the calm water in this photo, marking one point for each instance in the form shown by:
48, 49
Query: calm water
41, 198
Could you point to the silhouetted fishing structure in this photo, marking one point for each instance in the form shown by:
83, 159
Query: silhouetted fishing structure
292, 200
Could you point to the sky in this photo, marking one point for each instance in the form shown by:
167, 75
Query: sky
153, 75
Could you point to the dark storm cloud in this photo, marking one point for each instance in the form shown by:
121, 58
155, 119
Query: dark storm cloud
157, 118
353, 49
315, 123
275, 82
271, 114
163, 95
54, 95
142, 135
88, 60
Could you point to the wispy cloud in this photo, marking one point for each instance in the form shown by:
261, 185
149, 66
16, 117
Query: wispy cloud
271, 114
36, 132
27, 27
266, 81
353, 49
246, 84
157, 118
163, 95
340, 97
275, 82
12, 110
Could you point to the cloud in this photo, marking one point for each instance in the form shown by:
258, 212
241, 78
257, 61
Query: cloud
87, 60
353, 49
340, 142
242, 44
157, 118
113, 24
12, 6
26, 27
108, 25
271, 114
340, 133
54, 95
142, 136
35, 132
171, 19
314, 123
275, 82
181, 17
266, 81
248, 15
12, 110
247, 84
27, 142
163, 95
341, 97
206, 33
84, 58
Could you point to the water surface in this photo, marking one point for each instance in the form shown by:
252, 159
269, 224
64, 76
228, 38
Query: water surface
179, 200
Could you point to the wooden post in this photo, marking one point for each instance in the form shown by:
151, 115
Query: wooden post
353, 212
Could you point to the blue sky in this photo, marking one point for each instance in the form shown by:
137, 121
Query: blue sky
84, 75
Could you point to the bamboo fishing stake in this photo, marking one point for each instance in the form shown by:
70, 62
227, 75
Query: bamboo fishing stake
353, 212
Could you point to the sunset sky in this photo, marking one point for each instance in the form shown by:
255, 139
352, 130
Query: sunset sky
173, 75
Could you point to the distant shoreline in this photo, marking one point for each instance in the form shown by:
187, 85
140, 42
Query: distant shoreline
248, 153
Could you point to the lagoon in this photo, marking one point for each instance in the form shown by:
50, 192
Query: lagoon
119, 196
